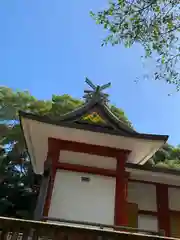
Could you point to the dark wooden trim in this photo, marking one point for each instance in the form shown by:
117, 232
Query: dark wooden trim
104, 112
86, 169
175, 212
46, 119
141, 181
147, 212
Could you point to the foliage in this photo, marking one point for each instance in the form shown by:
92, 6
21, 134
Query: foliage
154, 24
121, 115
168, 157
18, 194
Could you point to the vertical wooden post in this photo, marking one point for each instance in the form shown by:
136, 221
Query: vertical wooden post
53, 154
41, 200
162, 199
121, 213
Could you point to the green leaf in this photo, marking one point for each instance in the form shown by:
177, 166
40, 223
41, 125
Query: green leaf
170, 24
163, 59
157, 9
121, 3
92, 14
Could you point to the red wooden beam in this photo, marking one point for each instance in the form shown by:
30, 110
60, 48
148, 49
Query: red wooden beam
86, 169
163, 208
90, 148
53, 154
121, 213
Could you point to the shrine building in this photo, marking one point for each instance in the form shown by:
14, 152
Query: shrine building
93, 169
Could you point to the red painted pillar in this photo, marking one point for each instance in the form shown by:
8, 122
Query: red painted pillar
162, 199
121, 214
53, 154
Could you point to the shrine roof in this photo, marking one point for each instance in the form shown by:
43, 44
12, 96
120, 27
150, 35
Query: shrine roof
92, 123
120, 129
95, 115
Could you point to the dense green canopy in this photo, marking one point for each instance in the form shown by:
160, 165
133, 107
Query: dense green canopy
154, 25
18, 184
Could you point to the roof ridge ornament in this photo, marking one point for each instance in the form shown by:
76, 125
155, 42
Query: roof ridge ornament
96, 92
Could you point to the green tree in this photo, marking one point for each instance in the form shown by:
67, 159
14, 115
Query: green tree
154, 24
168, 157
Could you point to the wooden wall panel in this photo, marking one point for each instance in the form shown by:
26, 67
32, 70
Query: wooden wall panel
133, 215
175, 225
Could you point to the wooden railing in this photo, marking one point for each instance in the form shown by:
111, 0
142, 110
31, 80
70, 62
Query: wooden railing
102, 226
16, 229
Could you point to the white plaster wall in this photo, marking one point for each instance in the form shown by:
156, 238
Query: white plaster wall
147, 222
87, 159
142, 194
174, 198
91, 201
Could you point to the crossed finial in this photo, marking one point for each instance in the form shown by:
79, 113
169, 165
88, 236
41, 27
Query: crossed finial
96, 91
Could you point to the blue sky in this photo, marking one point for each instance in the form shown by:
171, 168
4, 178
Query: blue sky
49, 47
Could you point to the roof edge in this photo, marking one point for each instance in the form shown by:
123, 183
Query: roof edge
48, 120
153, 169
